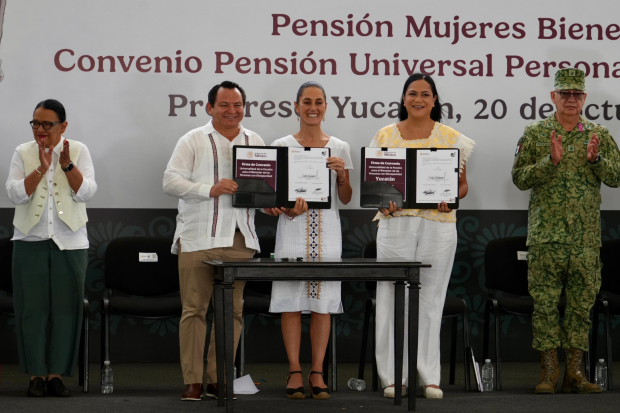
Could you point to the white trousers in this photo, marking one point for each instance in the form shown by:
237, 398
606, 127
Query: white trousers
429, 242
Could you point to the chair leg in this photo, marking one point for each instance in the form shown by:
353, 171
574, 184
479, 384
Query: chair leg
498, 379
105, 331
375, 373
487, 324
465, 347
610, 360
594, 344
85, 370
241, 369
367, 312
334, 348
455, 321
326, 361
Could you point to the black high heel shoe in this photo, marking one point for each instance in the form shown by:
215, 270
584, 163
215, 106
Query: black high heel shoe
320, 393
299, 392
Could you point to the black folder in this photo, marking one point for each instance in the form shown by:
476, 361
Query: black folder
379, 194
256, 193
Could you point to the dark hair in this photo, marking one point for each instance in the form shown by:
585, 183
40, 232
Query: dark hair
306, 86
56, 106
226, 85
436, 112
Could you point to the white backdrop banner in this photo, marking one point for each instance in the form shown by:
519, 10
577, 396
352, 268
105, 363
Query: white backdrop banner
134, 75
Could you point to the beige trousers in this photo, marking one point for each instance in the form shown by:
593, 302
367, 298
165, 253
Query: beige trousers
196, 282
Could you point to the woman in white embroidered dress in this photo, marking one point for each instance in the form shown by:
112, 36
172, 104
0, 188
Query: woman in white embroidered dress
426, 235
310, 233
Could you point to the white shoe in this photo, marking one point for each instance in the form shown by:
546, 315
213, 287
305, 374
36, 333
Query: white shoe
433, 393
389, 392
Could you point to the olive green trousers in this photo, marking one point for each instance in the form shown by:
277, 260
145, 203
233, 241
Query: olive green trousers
48, 293
553, 266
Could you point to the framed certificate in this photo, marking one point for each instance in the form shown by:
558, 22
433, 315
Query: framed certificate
384, 177
255, 170
437, 178
308, 175
410, 177
269, 177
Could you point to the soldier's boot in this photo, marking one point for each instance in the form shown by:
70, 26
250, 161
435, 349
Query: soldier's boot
550, 372
575, 380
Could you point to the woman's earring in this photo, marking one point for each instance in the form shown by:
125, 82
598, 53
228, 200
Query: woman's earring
297, 118
324, 118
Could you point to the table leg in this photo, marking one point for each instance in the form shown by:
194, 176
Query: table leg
414, 310
218, 319
229, 340
399, 338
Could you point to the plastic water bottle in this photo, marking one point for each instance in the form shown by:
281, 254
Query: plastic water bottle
107, 378
356, 384
601, 374
487, 376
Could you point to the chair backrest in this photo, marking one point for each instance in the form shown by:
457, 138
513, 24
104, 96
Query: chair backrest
125, 273
6, 256
503, 271
610, 272
267, 247
369, 250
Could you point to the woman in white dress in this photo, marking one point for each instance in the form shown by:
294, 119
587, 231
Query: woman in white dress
311, 233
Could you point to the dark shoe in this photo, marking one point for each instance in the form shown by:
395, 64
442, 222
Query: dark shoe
575, 380
37, 387
193, 392
56, 388
299, 392
550, 372
320, 393
212, 391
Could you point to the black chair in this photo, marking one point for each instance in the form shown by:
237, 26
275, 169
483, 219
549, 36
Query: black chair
257, 299
507, 274
453, 308
6, 308
608, 304
138, 289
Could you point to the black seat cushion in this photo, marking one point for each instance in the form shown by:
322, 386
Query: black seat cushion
146, 306
6, 305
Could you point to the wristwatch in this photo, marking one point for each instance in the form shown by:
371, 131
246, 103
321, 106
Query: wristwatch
69, 167
598, 158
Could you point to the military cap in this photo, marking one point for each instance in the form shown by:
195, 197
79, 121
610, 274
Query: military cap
570, 79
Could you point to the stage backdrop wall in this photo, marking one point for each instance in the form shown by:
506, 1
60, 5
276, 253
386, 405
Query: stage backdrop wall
134, 78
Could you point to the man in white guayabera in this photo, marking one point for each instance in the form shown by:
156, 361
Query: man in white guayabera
208, 227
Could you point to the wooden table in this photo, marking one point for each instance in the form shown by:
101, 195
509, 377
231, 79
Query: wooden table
398, 270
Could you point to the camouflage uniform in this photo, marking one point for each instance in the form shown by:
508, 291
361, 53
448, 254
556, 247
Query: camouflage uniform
564, 230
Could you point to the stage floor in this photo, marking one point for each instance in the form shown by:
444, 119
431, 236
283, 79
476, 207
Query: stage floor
157, 387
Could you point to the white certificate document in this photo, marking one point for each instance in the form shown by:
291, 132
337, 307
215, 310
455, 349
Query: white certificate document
437, 175
308, 175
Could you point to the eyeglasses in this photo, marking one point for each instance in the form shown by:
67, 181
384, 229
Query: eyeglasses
46, 125
566, 95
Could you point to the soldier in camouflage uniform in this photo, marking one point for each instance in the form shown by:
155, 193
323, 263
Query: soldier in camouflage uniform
563, 160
